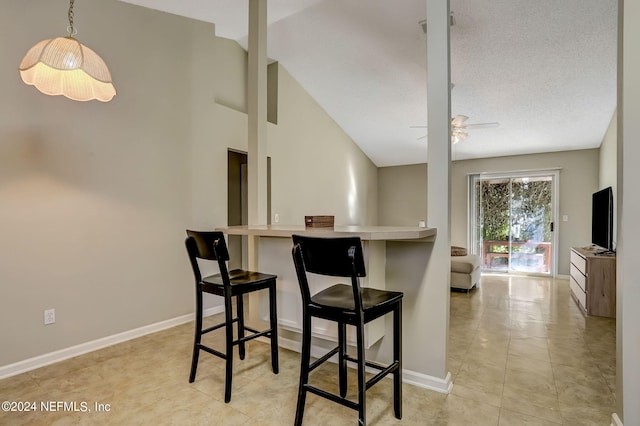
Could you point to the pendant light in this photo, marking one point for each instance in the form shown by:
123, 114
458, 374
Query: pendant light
64, 66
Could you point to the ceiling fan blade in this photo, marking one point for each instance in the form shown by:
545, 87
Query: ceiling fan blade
458, 128
455, 122
458, 120
479, 126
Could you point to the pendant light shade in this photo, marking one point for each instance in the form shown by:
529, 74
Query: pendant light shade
64, 66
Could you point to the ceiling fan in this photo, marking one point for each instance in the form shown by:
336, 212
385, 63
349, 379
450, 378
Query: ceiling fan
459, 129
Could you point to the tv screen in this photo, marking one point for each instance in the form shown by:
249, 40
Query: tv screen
602, 218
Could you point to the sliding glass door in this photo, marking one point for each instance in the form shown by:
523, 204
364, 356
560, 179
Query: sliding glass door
512, 219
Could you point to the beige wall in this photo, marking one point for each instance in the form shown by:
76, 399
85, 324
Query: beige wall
608, 166
402, 195
578, 180
316, 169
608, 156
95, 197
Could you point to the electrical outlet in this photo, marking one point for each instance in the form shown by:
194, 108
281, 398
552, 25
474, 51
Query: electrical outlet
276, 218
49, 316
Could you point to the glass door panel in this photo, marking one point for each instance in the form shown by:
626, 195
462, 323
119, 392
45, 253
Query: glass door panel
531, 221
495, 209
512, 223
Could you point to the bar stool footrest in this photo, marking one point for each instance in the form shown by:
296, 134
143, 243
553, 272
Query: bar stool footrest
324, 358
211, 351
255, 335
217, 326
375, 379
332, 397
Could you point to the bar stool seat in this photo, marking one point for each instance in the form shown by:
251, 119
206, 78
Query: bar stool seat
236, 283
338, 299
346, 305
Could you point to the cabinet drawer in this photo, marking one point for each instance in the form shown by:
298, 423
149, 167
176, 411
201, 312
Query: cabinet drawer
579, 261
578, 277
579, 294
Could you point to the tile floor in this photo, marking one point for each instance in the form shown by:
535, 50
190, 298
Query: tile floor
520, 353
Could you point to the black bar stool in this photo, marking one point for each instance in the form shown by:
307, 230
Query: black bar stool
344, 304
211, 246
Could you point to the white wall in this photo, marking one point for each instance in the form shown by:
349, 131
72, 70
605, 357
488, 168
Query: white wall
95, 198
628, 284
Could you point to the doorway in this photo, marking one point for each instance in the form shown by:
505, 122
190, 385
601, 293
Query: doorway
512, 221
237, 200
237, 204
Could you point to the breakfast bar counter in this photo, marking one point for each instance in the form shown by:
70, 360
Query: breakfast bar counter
273, 247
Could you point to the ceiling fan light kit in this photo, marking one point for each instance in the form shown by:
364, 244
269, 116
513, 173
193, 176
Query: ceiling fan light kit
458, 128
458, 136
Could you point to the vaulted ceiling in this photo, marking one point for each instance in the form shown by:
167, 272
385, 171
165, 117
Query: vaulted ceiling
544, 70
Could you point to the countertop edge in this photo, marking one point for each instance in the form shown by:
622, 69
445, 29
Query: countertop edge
367, 233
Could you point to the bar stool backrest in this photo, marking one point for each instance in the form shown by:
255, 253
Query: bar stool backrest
208, 245
337, 257
205, 242
330, 256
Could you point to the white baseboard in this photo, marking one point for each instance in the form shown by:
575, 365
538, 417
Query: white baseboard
83, 348
615, 420
428, 382
408, 376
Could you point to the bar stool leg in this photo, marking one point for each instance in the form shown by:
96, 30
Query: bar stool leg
240, 313
229, 347
197, 338
362, 383
342, 362
305, 357
273, 320
397, 356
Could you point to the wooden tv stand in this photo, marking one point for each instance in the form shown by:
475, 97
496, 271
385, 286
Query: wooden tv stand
593, 281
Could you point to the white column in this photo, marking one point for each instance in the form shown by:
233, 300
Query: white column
422, 271
257, 119
434, 293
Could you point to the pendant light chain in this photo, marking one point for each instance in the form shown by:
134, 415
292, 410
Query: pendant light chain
70, 29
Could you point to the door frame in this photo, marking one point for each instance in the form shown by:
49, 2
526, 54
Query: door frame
555, 197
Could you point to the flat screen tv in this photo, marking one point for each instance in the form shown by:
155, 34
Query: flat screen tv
602, 219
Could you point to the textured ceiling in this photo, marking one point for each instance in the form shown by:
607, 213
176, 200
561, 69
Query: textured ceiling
545, 70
